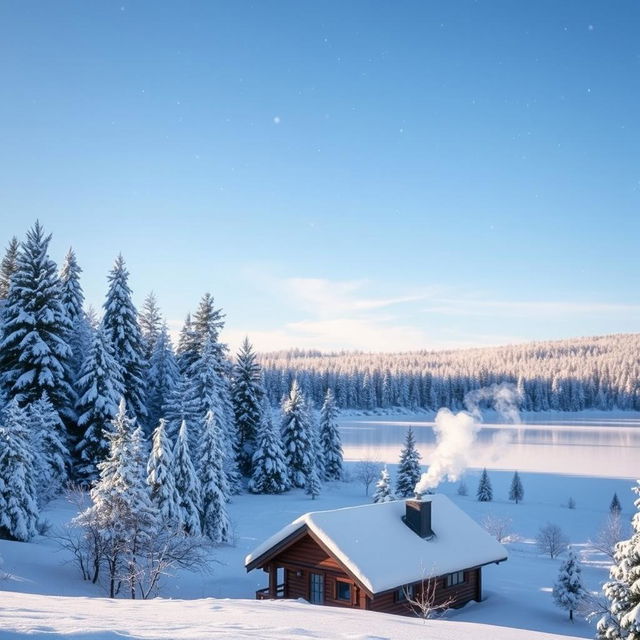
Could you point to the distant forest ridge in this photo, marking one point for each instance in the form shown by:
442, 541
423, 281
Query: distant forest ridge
601, 372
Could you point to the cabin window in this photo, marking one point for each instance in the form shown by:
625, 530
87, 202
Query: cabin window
316, 589
403, 594
343, 590
454, 578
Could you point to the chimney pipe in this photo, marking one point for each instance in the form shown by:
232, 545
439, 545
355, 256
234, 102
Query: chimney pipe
418, 517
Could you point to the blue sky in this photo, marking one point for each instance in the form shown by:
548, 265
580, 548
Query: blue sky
371, 175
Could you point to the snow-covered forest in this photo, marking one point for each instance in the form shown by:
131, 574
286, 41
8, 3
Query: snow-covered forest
564, 375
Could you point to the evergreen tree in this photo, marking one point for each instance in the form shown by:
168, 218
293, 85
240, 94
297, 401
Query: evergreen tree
51, 455
484, 492
296, 438
150, 321
179, 407
18, 495
121, 324
34, 353
408, 468
162, 378
72, 298
383, 491
187, 351
462, 488
516, 491
207, 322
187, 484
615, 507
312, 482
269, 469
214, 488
8, 267
623, 589
100, 388
160, 479
568, 590
247, 393
314, 430
330, 442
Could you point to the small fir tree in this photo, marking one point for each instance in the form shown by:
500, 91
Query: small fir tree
568, 591
312, 484
330, 442
516, 491
213, 481
18, 494
462, 488
615, 507
8, 267
383, 491
187, 352
160, 479
485, 491
408, 468
150, 321
297, 437
269, 469
187, 484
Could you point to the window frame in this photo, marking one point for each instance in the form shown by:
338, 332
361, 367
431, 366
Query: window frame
454, 579
405, 593
349, 584
320, 587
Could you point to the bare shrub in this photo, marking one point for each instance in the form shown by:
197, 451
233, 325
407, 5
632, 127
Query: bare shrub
551, 540
500, 527
366, 471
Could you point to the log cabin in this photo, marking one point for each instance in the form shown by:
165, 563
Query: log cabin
383, 557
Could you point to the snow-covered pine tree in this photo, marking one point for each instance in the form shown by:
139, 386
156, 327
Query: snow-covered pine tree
8, 267
187, 484
247, 393
163, 377
18, 493
100, 388
622, 591
485, 491
207, 322
120, 321
150, 321
187, 352
72, 298
34, 353
462, 487
213, 482
516, 491
383, 491
160, 479
330, 442
180, 407
296, 437
314, 430
269, 468
51, 456
568, 591
615, 507
408, 468
312, 484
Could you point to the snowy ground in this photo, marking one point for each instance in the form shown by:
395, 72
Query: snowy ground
517, 593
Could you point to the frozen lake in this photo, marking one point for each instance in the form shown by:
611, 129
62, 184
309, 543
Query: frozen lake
582, 444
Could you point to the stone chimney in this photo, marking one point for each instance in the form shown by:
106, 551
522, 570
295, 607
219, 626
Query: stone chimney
418, 517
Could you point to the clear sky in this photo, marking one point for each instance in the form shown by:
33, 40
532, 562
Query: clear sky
339, 174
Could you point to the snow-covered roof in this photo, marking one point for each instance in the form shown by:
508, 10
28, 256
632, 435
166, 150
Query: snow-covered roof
383, 553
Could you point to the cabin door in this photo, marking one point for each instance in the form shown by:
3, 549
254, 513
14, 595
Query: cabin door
316, 588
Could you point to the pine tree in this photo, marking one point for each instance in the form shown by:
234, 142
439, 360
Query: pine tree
187, 484
18, 495
312, 484
34, 353
314, 430
462, 488
296, 438
330, 442
383, 491
150, 321
408, 468
615, 507
188, 351
160, 478
516, 491
207, 322
622, 591
162, 378
51, 456
269, 469
8, 267
213, 481
568, 591
72, 298
179, 407
484, 492
100, 388
247, 393
120, 321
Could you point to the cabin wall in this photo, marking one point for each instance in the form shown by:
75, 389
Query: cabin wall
458, 595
